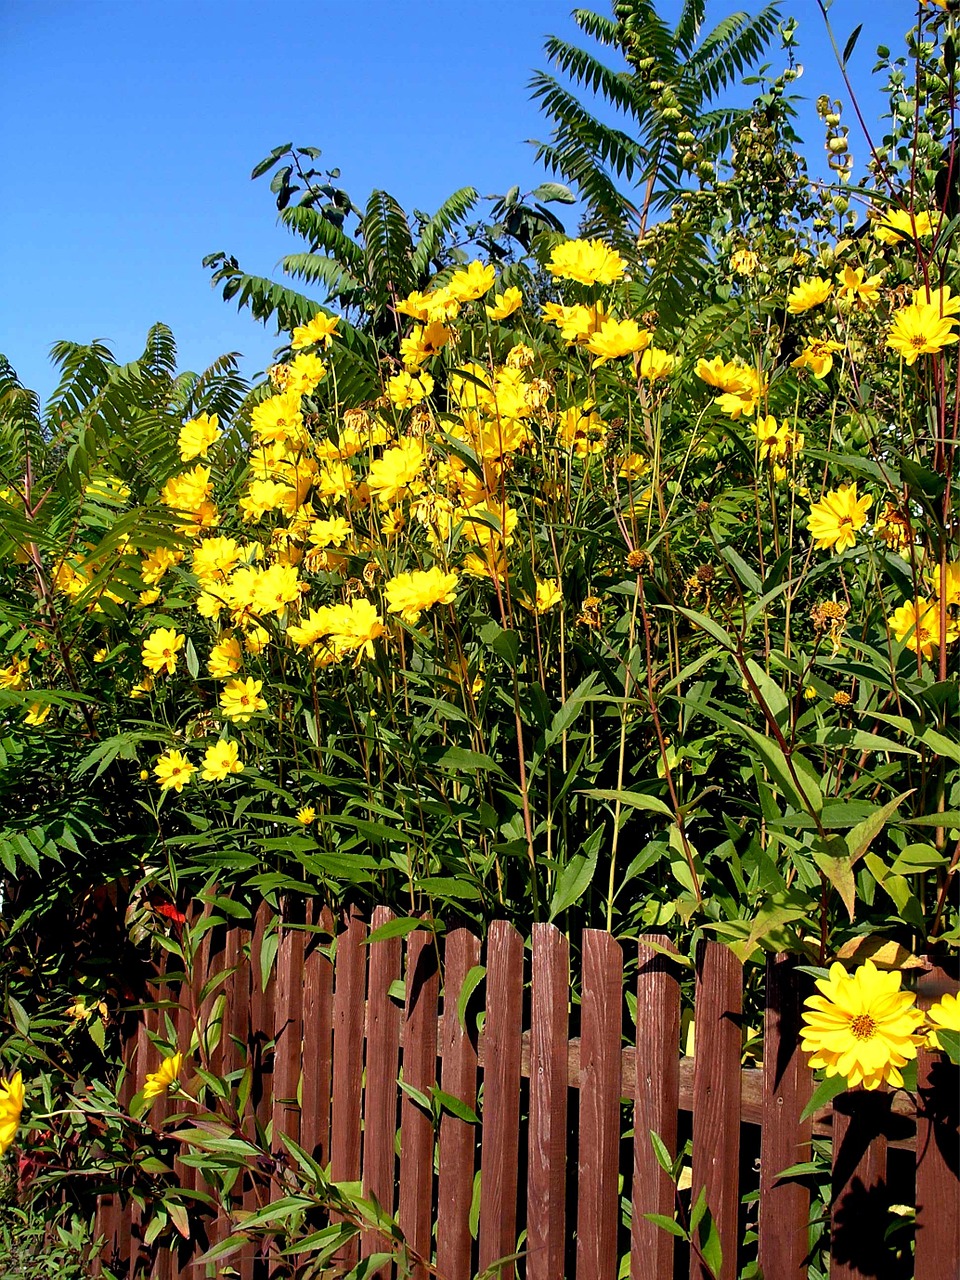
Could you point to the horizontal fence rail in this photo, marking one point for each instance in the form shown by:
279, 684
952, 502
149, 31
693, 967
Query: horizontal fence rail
536, 1189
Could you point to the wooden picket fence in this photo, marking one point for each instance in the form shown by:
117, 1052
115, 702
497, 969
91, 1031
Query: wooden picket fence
562, 1082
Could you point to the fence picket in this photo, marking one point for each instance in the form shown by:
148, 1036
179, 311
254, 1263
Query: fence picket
716, 1098
288, 1032
420, 1073
600, 1034
657, 1093
349, 994
784, 1139
458, 1056
500, 1142
547, 1160
384, 1018
860, 1198
938, 1186
316, 1088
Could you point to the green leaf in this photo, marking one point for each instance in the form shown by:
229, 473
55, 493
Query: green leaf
698, 1210
825, 1092
398, 929
950, 1043
710, 1245
475, 976
833, 859
505, 644
860, 837
666, 1224
632, 799
664, 1159
576, 877
455, 1106
851, 44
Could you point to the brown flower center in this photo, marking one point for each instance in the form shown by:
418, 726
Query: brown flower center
863, 1027
845, 520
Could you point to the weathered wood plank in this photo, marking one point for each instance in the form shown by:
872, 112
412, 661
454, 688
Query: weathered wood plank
384, 1018
419, 1071
656, 1103
938, 1150
546, 1163
349, 996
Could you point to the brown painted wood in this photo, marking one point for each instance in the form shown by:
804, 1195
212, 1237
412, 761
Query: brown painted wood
601, 1028
420, 1071
458, 1139
784, 1138
500, 1142
317, 1086
547, 1157
716, 1098
656, 1103
860, 1195
938, 1150
384, 1018
288, 1029
256, 1188
349, 995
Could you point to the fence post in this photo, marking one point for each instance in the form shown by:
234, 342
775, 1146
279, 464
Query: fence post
384, 1019
716, 1098
938, 1159
458, 1057
349, 994
546, 1163
656, 1099
500, 1143
420, 1073
784, 1139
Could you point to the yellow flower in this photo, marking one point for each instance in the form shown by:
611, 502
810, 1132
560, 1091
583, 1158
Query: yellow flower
304, 374
945, 1014
773, 440
406, 391
329, 533
188, 492
146, 598
505, 304
808, 294
198, 436
920, 330
862, 1026
215, 558
655, 363
587, 261
278, 418
901, 224
893, 528
472, 282
143, 687
220, 760
160, 1081
275, 588
835, 519
817, 356
37, 713
939, 298
353, 629
951, 587
15, 675
917, 625
173, 771
581, 429
617, 338
160, 650
425, 341
548, 594
397, 474
576, 323
156, 564
744, 262
409, 594
306, 815
320, 329
854, 288
11, 1108
241, 699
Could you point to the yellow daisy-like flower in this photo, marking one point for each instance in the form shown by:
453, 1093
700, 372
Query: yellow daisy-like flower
505, 304
950, 587
306, 815
586, 261
11, 1108
808, 294
945, 1014
548, 594
226, 658
855, 286
424, 342
15, 675
835, 519
817, 356
901, 224
320, 329
617, 338
173, 771
198, 436
861, 1026
917, 625
160, 650
472, 282
410, 594
241, 700
920, 330
655, 363
158, 1082
744, 262
220, 760
406, 391
37, 713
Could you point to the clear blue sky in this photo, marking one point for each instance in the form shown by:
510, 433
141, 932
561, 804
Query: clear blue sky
130, 128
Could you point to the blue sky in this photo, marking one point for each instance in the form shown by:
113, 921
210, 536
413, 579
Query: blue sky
131, 127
